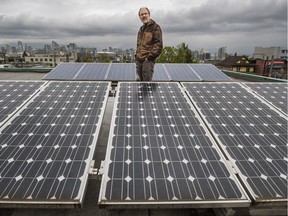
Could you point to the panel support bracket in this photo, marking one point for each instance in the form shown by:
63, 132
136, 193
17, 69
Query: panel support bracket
101, 169
92, 170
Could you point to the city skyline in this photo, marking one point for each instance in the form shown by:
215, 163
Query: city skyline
200, 24
44, 46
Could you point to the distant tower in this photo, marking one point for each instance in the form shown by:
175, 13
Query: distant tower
54, 45
20, 46
222, 52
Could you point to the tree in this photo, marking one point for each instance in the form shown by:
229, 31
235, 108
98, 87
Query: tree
85, 57
168, 55
184, 54
179, 54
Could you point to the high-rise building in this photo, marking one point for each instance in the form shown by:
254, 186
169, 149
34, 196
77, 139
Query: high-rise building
222, 53
47, 49
55, 45
20, 46
72, 47
28, 48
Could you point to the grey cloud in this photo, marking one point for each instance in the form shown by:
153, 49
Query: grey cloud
231, 18
211, 23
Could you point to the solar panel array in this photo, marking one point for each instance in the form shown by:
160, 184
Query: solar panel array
159, 152
252, 133
93, 71
127, 72
167, 140
13, 95
46, 149
275, 93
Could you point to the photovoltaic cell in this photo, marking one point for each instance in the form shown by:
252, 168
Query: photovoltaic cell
160, 74
45, 151
275, 93
181, 72
252, 134
93, 71
122, 72
13, 94
160, 153
209, 72
64, 71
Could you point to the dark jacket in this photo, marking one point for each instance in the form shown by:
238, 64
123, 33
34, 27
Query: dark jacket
149, 41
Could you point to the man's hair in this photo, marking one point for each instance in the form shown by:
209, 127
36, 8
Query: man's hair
142, 9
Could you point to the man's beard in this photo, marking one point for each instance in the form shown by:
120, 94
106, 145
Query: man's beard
145, 21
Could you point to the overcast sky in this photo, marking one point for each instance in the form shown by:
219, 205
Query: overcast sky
209, 24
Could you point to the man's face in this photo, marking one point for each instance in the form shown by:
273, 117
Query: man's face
144, 15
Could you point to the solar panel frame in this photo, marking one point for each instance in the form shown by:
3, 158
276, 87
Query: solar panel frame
251, 149
45, 150
272, 93
243, 200
16, 97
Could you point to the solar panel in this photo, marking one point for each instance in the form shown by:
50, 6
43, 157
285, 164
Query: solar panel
93, 71
160, 74
122, 72
181, 72
13, 94
253, 135
160, 153
64, 71
209, 72
46, 150
127, 72
275, 93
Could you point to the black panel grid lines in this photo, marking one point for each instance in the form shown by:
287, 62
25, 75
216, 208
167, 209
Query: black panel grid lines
181, 72
122, 72
160, 153
251, 133
64, 71
209, 72
46, 149
275, 93
13, 94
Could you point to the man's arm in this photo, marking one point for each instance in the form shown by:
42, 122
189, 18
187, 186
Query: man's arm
157, 44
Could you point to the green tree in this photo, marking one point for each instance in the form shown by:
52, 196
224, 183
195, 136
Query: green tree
103, 57
168, 55
179, 54
85, 57
184, 54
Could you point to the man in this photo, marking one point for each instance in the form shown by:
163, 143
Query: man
149, 45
